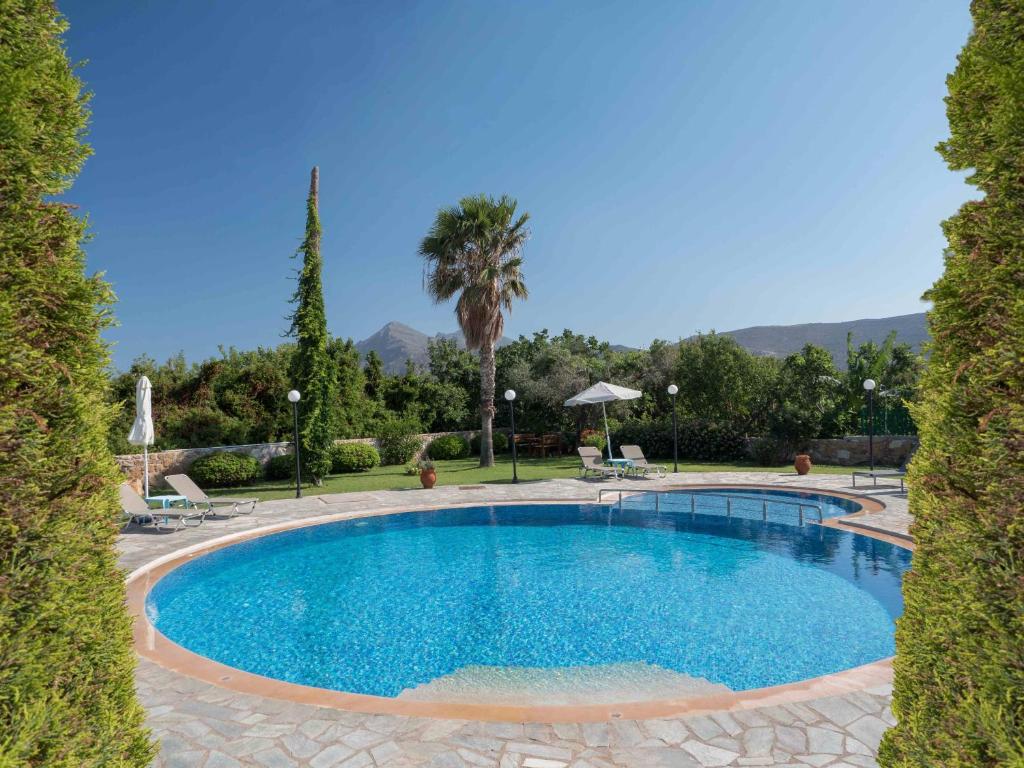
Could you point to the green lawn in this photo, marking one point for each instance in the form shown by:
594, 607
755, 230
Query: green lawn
466, 472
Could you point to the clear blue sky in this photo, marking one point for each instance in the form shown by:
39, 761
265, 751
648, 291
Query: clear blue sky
687, 165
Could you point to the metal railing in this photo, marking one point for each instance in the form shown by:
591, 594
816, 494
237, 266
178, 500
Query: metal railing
800, 505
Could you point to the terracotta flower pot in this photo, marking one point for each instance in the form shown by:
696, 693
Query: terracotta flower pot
428, 477
802, 464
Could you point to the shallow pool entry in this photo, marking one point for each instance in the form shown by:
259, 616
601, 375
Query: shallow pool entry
389, 605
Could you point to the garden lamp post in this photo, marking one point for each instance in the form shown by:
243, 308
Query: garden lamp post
510, 395
869, 387
293, 398
673, 390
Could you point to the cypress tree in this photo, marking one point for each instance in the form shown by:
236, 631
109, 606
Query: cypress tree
67, 696
959, 689
313, 371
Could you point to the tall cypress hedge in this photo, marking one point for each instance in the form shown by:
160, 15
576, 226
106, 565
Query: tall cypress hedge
313, 372
67, 695
959, 692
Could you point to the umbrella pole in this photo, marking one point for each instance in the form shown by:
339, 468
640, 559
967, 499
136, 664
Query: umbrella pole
145, 470
607, 434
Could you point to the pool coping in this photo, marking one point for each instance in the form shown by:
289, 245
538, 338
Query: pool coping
155, 646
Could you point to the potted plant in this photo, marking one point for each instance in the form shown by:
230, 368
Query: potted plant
428, 475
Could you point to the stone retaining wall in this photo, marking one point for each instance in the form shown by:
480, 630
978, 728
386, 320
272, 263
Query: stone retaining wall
852, 450
174, 462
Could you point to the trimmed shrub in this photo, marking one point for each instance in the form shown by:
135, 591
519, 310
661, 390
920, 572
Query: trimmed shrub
959, 670
354, 457
498, 439
67, 688
699, 440
448, 447
769, 452
399, 441
224, 469
594, 440
281, 467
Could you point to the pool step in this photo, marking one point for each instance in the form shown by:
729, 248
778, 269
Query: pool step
530, 686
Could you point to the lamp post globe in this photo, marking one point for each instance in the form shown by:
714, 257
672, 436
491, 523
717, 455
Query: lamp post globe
869, 387
293, 398
673, 390
510, 396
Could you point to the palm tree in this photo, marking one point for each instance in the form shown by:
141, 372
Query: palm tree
474, 250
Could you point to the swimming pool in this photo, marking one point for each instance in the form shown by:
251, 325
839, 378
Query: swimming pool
383, 604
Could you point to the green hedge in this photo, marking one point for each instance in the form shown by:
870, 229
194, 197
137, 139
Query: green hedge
354, 457
399, 441
959, 670
224, 469
67, 690
280, 467
499, 441
448, 447
699, 440
595, 441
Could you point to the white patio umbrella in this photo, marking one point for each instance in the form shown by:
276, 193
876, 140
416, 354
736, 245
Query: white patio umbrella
602, 393
142, 427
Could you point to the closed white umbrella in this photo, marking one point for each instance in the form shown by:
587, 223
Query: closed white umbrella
602, 393
142, 427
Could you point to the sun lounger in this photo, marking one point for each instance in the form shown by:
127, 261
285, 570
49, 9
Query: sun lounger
183, 484
593, 462
137, 511
640, 464
877, 473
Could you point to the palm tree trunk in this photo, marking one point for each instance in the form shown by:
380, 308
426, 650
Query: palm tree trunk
487, 374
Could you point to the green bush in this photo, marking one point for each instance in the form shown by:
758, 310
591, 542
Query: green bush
594, 440
354, 457
448, 447
281, 467
399, 441
223, 469
498, 439
958, 693
67, 688
699, 440
769, 451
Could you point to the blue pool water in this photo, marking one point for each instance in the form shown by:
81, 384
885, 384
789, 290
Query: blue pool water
383, 604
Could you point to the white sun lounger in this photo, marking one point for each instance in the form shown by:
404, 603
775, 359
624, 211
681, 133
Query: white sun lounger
593, 462
183, 484
138, 511
640, 464
877, 473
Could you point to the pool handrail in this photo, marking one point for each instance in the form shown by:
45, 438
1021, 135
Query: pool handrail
727, 496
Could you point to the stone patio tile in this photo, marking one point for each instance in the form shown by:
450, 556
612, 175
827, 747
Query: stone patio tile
824, 740
758, 742
358, 760
792, 740
596, 734
384, 752
670, 731
709, 756
331, 756
533, 749
727, 722
313, 728
220, 760
868, 729
704, 727
567, 731
362, 738
274, 758
300, 745
837, 709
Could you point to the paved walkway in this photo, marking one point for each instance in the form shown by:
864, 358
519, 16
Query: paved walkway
199, 724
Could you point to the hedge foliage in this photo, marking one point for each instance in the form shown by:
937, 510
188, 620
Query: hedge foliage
399, 441
448, 447
699, 440
280, 467
354, 457
67, 695
224, 469
959, 687
498, 439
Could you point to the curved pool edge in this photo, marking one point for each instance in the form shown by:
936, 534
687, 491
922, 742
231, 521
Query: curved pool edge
153, 645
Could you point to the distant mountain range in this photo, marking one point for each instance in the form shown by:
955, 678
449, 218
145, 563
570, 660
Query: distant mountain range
782, 340
396, 343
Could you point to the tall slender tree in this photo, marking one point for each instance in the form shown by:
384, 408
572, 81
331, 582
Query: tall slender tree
959, 686
473, 250
67, 695
313, 371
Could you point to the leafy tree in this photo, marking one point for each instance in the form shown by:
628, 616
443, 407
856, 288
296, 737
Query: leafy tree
959, 686
374, 376
807, 395
67, 695
473, 250
354, 410
312, 372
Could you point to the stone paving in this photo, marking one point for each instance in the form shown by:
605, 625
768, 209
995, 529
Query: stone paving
203, 725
